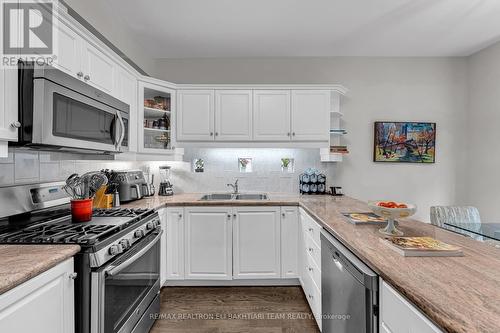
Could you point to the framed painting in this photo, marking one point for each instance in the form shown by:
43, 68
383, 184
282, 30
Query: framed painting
404, 142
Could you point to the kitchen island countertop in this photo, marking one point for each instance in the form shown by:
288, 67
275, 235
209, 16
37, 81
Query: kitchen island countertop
460, 294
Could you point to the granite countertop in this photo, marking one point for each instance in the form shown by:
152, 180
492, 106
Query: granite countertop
460, 294
19, 263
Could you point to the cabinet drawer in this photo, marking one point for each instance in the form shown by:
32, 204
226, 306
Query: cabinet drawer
313, 296
312, 270
310, 227
312, 249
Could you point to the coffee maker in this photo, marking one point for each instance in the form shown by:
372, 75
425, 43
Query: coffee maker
166, 187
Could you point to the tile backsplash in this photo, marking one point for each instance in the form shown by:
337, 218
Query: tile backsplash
220, 168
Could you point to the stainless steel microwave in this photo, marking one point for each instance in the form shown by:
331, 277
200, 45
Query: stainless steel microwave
62, 113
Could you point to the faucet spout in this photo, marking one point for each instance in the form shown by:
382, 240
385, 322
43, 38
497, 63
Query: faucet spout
234, 186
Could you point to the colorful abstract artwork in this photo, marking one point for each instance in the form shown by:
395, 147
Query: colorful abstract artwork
407, 142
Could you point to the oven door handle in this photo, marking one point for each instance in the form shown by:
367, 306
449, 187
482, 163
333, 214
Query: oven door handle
113, 270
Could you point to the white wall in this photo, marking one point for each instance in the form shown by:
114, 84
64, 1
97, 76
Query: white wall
114, 29
419, 89
482, 174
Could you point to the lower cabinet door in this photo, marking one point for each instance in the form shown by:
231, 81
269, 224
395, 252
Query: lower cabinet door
175, 244
44, 304
289, 242
208, 243
256, 239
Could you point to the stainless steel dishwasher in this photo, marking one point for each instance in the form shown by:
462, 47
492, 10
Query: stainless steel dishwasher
349, 292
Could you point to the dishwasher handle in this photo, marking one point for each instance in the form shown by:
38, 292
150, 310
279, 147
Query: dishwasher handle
342, 256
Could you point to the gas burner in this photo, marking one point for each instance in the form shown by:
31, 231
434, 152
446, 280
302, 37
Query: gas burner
57, 233
121, 212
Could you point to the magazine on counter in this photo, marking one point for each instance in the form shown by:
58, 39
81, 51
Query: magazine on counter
422, 247
364, 218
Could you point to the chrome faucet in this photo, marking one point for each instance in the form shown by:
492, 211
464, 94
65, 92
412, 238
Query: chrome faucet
234, 186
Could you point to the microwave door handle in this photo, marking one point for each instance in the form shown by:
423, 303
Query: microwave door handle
122, 132
113, 270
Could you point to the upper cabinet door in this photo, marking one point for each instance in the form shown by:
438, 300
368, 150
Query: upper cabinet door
98, 68
69, 54
8, 105
271, 115
233, 115
310, 115
195, 115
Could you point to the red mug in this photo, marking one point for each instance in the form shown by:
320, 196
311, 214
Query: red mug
81, 210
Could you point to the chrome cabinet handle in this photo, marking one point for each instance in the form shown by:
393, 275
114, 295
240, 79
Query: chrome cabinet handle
73, 275
86, 77
15, 124
79, 74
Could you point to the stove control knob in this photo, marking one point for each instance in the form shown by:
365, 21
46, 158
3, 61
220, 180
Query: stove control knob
125, 243
139, 233
115, 249
150, 225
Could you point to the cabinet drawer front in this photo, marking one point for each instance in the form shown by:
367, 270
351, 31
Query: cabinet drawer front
310, 227
312, 270
312, 249
313, 296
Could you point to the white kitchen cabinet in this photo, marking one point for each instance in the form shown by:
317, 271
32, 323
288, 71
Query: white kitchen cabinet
98, 68
195, 117
208, 243
69, 51
271, 115
175, 243
289, 242
233, 115
44, 304
8, 107
256, 243
310, 115
397, 315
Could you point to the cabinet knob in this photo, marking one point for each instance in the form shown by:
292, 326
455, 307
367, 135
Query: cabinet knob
216, 133
211, 133
86, 77
310, 269
234, 215
228, 216
73, 275
311, 229
180, 216
310, 249
310, 296
79, 74
293, 133
283, 214
15, 124
288, 134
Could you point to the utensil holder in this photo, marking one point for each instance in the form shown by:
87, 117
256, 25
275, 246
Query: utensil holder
81, 210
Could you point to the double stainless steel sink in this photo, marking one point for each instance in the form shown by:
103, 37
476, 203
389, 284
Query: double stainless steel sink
230, 196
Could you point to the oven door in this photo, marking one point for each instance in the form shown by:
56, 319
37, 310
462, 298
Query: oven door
122, 291
66, 118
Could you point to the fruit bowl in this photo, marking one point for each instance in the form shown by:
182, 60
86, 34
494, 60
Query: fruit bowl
391, 212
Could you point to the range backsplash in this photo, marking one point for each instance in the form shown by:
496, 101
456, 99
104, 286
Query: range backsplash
221, 166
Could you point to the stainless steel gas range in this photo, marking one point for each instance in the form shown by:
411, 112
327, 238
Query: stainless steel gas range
118, 283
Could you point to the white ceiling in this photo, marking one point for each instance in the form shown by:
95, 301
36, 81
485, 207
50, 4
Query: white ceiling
269, 28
